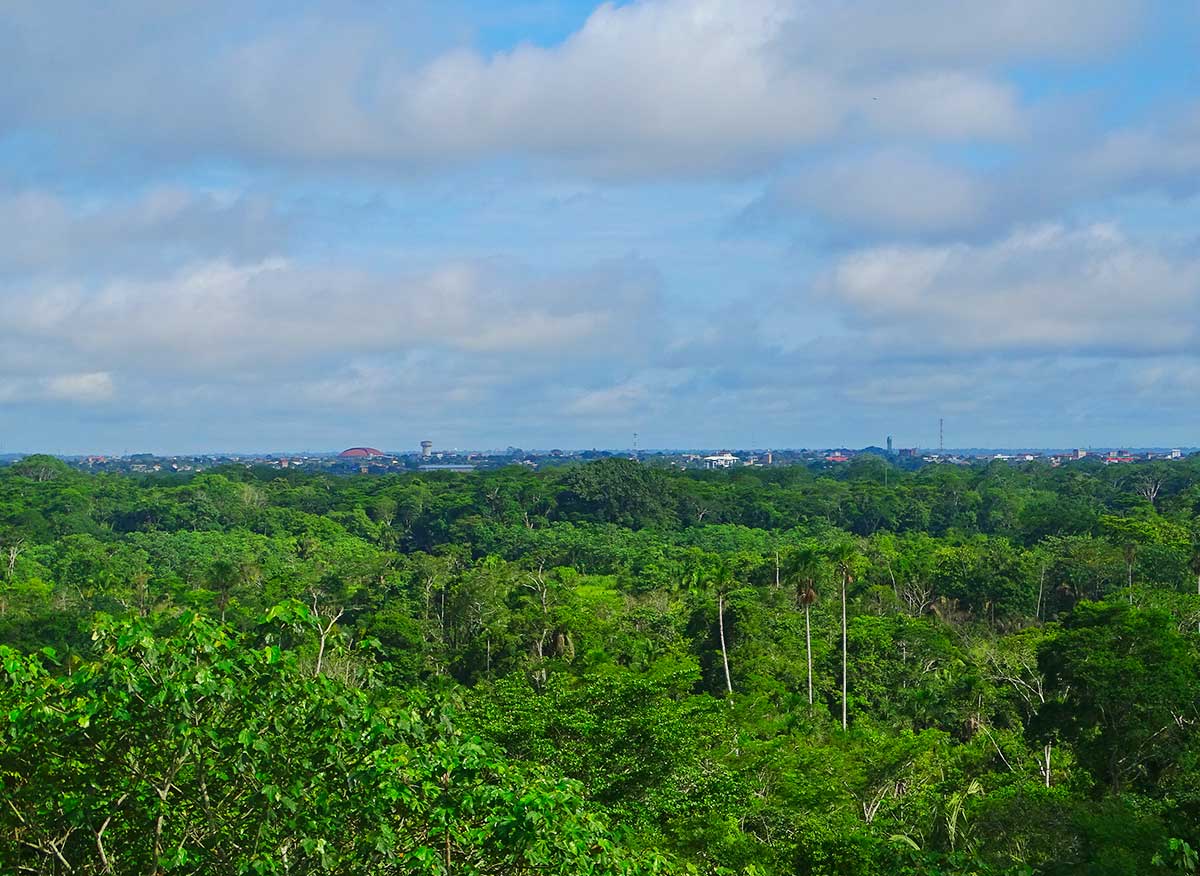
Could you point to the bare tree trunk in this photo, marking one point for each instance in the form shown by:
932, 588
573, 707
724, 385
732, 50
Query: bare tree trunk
845, 652
14, 551
721, 628
1046, 771
323, 632
808, 653
1037, 611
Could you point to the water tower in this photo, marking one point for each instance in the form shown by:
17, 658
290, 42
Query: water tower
426, 449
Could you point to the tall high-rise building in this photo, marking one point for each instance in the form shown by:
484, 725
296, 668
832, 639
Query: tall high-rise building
889, 445
426, 449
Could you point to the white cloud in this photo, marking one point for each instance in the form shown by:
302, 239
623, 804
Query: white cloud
219, 315
45, 231
1050, 288
420, 189
648, 87
83, 388
95, 386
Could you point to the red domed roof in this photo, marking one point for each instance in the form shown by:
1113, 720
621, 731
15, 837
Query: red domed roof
359, 452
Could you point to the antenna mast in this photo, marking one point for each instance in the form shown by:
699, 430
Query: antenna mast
941, 435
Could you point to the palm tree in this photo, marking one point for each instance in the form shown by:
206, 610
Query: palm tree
844, 556
723, 581
719, 577
803, 568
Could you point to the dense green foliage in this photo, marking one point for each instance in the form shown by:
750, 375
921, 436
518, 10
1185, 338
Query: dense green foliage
602, 669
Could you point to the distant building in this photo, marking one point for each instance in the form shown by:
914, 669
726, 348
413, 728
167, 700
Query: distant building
889, 445
837, 457
360, 453
426, 449
1175, 454
724, 459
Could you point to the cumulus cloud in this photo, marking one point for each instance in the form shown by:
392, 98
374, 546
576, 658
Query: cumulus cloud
904, 192
205, 265
214, 325
221, 315
43, 230
653, 86
1051, 288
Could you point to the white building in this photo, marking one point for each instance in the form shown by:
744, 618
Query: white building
724, 459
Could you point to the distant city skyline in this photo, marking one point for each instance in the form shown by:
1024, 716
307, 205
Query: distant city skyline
559, 222
435, 451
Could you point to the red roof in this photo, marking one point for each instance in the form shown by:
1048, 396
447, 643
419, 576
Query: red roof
359, 452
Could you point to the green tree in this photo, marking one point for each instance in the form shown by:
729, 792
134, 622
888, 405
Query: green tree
1124, 688
804, 567
201, 753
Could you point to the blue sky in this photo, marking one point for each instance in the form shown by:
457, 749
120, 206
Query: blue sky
309, 225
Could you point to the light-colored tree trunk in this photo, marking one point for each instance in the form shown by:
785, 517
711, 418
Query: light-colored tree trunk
721, 628
1130, 558
14, 551
845, 653
1046, 770
808, 652
323, 630
1037, 611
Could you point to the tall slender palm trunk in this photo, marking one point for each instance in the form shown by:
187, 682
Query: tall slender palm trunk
721, 628
808, 653
845, 724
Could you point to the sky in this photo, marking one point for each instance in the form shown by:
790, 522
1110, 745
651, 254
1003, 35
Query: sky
308, 225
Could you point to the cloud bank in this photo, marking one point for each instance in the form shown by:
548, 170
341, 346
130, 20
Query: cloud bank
770, 222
